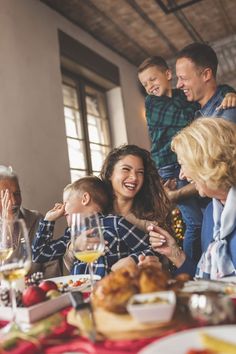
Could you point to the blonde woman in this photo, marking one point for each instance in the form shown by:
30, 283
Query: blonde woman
206, 151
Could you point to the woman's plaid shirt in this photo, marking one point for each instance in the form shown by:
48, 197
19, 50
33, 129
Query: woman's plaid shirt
124, 239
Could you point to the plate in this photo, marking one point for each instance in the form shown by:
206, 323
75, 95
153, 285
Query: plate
228, 279
84, 278
181, 342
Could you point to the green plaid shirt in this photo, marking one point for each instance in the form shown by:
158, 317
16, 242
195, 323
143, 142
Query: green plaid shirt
165, 117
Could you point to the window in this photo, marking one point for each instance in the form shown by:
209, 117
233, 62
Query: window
87, 126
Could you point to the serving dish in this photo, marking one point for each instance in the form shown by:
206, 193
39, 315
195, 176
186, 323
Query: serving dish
224, 285
34, 313
152, 307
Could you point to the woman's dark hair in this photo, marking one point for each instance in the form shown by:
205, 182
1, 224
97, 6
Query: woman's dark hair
151, 202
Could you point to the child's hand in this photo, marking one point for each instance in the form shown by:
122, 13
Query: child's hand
55, 213
229, 101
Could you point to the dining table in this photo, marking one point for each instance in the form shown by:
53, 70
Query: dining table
55, 334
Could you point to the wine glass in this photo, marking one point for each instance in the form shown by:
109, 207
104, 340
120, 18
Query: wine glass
15, 260
87, 239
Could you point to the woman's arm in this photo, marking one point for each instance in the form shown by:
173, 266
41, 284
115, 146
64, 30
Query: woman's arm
137, 245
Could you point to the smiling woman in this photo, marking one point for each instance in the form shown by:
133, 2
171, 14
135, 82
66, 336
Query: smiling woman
135, 186
136, 191
207, 152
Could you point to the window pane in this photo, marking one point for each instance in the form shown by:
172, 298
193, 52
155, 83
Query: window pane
96, 173
96, 102
76, 174
98, 154
76, 154
92, 105
73, 123
70, 96
98, 130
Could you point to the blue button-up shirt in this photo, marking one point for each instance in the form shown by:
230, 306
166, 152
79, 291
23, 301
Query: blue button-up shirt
209, 109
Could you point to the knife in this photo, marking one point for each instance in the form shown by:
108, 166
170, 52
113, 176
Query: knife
84, 311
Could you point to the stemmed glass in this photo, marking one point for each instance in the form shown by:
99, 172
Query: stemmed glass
15, 259
87, 240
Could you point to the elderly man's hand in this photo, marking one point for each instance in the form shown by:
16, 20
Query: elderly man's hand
6, 203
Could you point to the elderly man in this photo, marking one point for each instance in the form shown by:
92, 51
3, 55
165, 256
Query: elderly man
9, 181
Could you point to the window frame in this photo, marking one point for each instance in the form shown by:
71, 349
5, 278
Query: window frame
80, 86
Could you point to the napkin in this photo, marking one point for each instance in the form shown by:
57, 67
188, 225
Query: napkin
43, 333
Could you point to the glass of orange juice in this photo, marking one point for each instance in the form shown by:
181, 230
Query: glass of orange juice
87, 239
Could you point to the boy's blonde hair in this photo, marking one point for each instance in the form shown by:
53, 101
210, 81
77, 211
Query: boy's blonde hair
95, 187
156, 61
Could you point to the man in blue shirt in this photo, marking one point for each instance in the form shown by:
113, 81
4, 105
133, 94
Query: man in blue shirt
196, 69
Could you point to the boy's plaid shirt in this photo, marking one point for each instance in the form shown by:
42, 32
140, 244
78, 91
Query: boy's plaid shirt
165, 117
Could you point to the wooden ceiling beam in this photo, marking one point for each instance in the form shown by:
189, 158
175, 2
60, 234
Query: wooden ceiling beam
117, 28
230, 29
187, 25
153, 25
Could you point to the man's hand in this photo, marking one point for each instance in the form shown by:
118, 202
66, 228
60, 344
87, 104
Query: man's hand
176, 195
170, 189
55, 213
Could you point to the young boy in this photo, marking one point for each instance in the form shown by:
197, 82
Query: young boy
89, 194
167, 112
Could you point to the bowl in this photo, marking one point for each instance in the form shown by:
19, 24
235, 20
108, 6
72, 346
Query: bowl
211, 308
152, 307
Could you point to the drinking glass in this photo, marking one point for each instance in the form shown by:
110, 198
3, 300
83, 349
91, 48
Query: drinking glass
15, 260
87, 239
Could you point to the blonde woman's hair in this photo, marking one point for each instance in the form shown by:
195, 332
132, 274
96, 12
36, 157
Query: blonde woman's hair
208, 148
